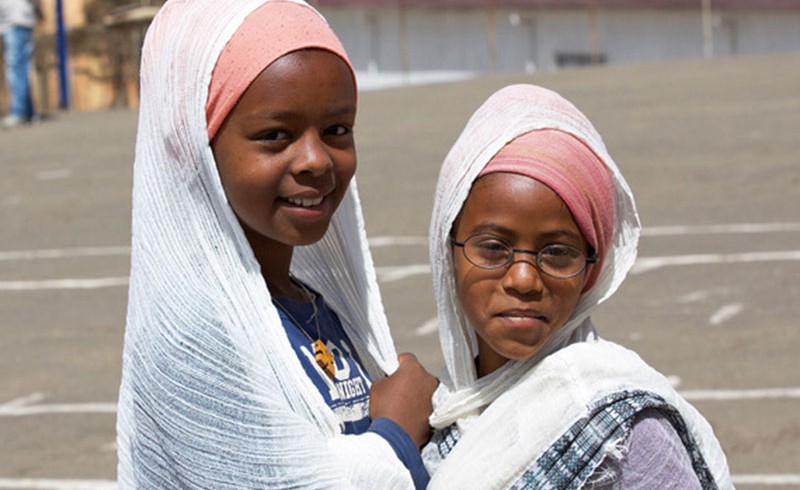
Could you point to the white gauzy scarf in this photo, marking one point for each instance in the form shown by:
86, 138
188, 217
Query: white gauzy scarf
518, 394
213, 395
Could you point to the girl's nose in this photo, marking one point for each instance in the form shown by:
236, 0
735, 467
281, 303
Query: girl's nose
523, 277
314, 157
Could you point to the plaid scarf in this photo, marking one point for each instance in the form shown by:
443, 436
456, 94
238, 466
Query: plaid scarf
573, 458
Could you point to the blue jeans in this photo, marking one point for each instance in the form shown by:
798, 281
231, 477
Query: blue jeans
18, 42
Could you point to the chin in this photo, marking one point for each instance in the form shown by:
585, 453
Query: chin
310, 237
522, 353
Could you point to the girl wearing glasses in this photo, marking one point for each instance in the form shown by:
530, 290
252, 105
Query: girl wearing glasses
533, 227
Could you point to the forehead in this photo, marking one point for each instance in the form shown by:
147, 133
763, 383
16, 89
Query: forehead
516, 205
310, 77
317, 59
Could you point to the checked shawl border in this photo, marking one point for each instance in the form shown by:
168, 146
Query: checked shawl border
572, 459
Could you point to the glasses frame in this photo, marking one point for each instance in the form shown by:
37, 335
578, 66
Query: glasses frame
587, 260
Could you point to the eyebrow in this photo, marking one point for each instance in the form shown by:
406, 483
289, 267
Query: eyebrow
507, 232
289, 115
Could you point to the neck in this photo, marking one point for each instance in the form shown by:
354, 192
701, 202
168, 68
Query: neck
275, 259
488, 360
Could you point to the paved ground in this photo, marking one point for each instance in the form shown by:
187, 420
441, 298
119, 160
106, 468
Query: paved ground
711, 150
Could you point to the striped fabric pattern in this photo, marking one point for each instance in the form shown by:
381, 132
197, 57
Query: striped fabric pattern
574, 457
569, 463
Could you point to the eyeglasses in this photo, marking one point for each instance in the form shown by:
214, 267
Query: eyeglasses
492, 252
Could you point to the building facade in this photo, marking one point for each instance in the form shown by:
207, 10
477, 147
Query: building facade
518, 35
400, 36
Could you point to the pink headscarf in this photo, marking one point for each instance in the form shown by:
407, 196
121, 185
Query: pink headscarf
273, 30
565, 164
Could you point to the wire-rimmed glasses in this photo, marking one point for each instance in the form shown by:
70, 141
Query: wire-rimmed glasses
557, 260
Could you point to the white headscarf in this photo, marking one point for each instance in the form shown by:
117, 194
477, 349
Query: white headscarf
511, 112
213, 395
509, 417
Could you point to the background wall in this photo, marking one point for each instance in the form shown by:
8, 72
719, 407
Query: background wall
103, 38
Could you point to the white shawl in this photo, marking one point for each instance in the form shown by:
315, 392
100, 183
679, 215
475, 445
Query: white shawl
489, 461
213, 395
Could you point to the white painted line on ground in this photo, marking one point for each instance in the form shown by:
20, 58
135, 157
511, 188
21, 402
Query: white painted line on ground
26, 405
427, 328
52, 484
674, 380
787, 479
18, 409
720, 229
58, 253
57, 174
371, 80
64, 408
389, 274
385, 274
735, 228
703, 295
100, 282
389, 241
25, 400
643, 264
735, 395
725, 313
647, 264
694, 296
396, 273
396, 240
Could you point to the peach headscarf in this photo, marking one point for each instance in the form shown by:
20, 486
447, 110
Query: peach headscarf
565, 164
273, 30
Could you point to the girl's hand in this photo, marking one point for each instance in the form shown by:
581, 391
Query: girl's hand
405, 398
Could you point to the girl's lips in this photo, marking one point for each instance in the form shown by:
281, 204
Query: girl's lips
305, 202
308, 199
522, 313
522, 317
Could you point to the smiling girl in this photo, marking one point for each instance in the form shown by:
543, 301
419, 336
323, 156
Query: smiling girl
533, 227
256, 346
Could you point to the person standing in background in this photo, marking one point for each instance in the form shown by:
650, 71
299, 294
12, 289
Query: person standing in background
17, 21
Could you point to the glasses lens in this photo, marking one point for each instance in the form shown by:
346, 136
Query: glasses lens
487, 251
561, 260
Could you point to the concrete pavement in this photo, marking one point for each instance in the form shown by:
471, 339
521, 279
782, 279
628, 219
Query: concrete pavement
710, 148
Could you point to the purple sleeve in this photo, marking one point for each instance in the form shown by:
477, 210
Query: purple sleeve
652, 457
404, 447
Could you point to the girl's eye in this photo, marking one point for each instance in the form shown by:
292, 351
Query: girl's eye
338, 130
489, 250
491, 245
274, 135
557, 250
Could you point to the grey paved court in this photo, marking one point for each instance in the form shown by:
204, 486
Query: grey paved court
710, 148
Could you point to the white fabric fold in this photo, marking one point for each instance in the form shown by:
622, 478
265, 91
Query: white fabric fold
212, 394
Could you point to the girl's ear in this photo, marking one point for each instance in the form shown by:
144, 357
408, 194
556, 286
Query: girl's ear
455, 223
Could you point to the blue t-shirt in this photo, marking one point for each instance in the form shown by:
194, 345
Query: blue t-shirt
347, 394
